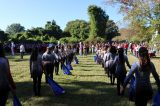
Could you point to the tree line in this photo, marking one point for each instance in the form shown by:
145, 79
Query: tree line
99, 28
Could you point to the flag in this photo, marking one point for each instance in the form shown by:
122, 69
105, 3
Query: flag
65, 70
156, 99
16, 101
69, 66
131, 90
76, 60
57, 89
95, 58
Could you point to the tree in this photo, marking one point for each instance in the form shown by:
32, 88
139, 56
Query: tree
52, 29
34, 32
78, 29
142, 15
14, 28
111, 30
98, 19
3, 36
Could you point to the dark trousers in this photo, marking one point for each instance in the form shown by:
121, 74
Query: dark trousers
120, 81
125, 50
3, 98
56, 67
21, 53
37, 84
142, 97
48, 71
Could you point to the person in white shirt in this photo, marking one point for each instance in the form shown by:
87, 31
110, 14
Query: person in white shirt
22, 50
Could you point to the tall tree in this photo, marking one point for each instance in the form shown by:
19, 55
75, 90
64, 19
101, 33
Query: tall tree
14, 28
52, 29
98, 19
111, 30
3, 36
143, 15
78, 29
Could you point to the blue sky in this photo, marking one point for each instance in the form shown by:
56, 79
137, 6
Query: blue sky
35, 13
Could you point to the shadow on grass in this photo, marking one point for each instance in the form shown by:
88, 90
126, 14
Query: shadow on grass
91, 75
155, 57
78, 93
88, 66
19, 60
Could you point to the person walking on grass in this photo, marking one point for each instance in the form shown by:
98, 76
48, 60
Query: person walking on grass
109, 61
6, 81
142, 70
36, 70
120, 69
48, 63
22, 50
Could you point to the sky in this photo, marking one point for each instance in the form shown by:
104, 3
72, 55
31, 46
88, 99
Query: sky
35, 13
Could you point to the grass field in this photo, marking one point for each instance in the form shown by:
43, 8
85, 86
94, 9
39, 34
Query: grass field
88, 86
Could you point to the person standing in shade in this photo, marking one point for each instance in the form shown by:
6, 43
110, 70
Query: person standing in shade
22, 50
36, 70
6, 81
142, 70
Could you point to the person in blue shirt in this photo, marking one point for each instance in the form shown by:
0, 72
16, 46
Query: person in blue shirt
142, 70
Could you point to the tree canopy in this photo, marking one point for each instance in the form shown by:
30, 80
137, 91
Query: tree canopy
14, 28
78, 29
53, 30
98, 19
143, 15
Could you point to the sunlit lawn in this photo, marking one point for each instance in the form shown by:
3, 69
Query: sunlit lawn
88, 86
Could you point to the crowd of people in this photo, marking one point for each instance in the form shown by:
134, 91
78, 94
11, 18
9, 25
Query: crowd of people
111, 55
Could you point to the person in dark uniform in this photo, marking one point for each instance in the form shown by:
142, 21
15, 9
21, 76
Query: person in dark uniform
142, 70
48, 63
6, 81
120, 70
57, 59
36, 70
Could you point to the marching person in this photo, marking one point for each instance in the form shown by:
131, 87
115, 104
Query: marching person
57, 59
142, 70
36, 70
6, 81
110, 56
120, 69
48, 63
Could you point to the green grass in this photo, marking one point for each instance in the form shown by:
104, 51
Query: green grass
88, 86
